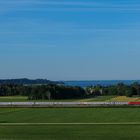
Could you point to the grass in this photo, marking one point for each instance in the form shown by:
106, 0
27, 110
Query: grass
98, 98
70, 131
25, 99
95, 99
69, 115
13, 98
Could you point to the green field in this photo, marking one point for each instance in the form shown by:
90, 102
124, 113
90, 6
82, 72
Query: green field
95, 99
25, 99
40, 123
13, 98
69, 132
32, 123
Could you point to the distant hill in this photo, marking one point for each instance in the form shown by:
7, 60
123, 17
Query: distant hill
26, 81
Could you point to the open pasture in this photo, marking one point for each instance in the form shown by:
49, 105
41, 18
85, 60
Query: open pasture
69, 123
95, 99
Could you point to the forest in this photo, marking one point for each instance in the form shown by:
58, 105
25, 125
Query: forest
60, 91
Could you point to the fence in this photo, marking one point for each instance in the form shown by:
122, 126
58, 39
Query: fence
67, 104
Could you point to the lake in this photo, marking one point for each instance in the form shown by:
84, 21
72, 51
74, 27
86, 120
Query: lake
101, 82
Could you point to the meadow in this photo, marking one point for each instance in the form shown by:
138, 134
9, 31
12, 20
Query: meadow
69, 123
95, 99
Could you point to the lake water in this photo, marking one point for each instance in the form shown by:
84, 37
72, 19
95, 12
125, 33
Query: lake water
102, 83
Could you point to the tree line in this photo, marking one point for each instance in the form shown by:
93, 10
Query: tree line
50, 91
55, 91
118, 90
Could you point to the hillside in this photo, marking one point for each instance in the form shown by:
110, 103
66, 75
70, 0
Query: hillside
26, 81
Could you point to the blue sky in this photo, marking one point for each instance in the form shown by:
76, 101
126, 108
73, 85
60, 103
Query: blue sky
70, 39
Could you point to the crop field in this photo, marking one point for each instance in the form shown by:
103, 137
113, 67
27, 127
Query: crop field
124, 99
69, 123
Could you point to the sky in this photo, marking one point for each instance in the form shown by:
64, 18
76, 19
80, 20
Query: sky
70, 39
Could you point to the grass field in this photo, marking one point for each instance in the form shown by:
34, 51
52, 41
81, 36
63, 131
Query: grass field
25, 99
70, 123
95, 99
31, 123
13, 98
70, 132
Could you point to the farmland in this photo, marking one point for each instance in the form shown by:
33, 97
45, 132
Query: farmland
33, 123
98, 98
